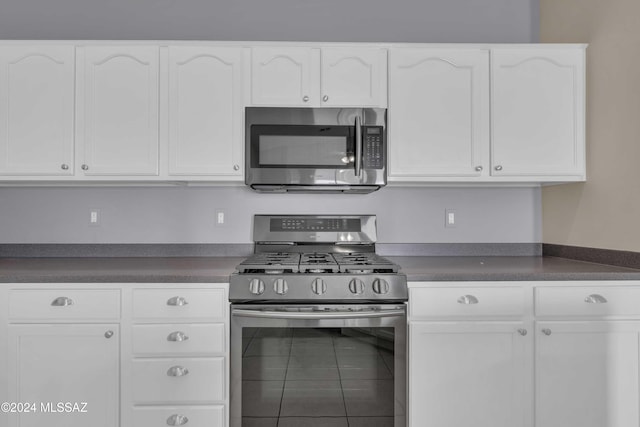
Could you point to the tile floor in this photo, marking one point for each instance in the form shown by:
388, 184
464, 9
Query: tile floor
302, 377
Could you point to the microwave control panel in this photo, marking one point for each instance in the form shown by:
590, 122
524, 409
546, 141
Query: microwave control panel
373, 147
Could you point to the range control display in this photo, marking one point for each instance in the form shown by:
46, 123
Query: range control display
315, 224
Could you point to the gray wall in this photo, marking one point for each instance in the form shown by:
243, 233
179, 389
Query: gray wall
298, 20
186, 215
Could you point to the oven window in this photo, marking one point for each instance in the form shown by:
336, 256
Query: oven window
342, 377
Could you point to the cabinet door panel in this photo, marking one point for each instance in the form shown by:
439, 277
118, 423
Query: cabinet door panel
65, 363
36, 112
537, 112
205, 111
118, 110
587, 374
353, 77
438, 113
285, 76
467, 374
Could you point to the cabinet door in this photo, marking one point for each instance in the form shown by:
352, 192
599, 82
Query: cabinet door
587, 374
118, 110
205, 111
36, 112
467, 374
438, 113
353, 77
537, 112
288, 76
65, 363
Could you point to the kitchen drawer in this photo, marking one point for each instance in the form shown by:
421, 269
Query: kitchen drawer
204, 382
560, 301
64, 304
457, 301
179, 339
180, 304
191, 416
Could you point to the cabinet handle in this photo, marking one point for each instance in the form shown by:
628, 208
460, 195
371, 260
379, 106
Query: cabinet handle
177, 420
325, 98
498, 168
595, 299
84, 167
177, 336
478, 168
236, 167
62, 302
177, 371
522, 331
467, 300
64, 167
305, 98
177, 301
547, 332
108, 334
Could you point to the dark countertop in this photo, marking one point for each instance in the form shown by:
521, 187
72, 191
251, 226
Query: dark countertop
217, 269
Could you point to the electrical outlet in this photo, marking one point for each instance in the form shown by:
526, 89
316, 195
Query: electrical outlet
449, 218
220, 217
94, 218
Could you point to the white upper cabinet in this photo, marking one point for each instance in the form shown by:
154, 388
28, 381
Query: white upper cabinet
538, 109
438, 114
117, 110
285, 76
205, 111
36, 110
331, 77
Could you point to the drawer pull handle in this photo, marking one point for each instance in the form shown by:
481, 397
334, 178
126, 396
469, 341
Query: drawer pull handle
467, 300
177, 371
522, 332
547, 332
177, 420
177, 336
595, 299
62, 302
177, 301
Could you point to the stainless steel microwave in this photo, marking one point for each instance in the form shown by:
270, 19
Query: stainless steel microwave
315, 149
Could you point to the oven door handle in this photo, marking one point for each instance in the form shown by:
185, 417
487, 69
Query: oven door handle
316, 316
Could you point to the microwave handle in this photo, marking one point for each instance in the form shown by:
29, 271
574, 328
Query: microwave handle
358, 153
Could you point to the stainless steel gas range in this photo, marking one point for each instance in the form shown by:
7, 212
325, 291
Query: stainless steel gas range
318, 326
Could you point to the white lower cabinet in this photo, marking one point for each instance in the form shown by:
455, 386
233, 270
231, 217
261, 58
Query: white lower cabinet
587, 374
191, 416
467, 374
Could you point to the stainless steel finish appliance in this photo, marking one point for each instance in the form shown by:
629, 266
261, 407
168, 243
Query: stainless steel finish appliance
315, 149
318, 325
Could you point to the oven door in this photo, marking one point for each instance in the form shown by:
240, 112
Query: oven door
295, 365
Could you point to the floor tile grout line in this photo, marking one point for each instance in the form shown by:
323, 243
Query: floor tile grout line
344, 400
286, 372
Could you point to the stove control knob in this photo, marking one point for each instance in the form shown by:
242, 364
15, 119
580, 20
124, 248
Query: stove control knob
318, 286
380, 286
356, 286
280, 286
256, 286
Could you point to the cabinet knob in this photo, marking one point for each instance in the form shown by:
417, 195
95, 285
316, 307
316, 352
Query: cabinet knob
62, 302
84, 167
177, 420
498, 168
547, 332
64, 167
325, 98
177, 371
522, 331
236, 167
595, 299
177, 301
108, 334
305, 98
467, 300
177, 336
478, 168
